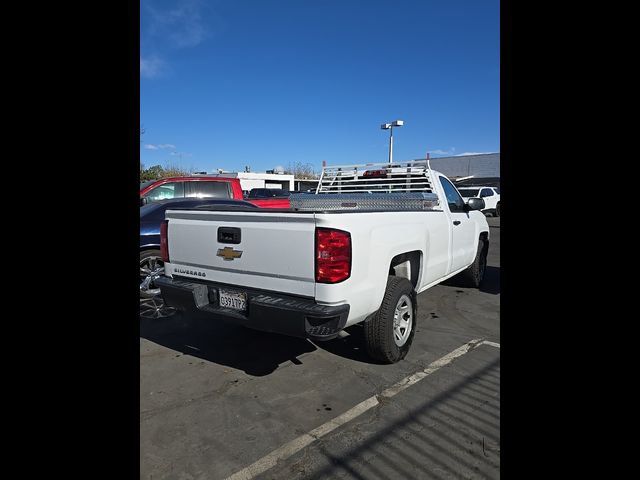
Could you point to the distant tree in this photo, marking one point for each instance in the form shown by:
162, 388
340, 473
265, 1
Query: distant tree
172, 170
151, 173
302, 171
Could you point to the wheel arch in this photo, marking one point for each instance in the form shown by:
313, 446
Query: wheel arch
407, 265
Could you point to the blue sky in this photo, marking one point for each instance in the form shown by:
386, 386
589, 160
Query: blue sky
224, 84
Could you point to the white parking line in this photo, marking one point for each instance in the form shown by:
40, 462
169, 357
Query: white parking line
294, 446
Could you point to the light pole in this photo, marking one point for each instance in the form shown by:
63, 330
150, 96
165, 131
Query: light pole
389, 126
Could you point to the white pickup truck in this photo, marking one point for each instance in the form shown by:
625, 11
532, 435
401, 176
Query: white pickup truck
359, 250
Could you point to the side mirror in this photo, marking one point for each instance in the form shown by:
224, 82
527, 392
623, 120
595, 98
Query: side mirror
475, 204
143, 201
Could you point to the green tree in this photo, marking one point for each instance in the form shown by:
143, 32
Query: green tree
151, 173
157, 171
173, 170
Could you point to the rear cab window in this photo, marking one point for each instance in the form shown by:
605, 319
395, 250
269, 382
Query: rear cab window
204, 189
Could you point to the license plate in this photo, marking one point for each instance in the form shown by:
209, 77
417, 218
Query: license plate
233, 300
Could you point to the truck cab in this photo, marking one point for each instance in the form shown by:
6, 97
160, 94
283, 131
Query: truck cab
202, 186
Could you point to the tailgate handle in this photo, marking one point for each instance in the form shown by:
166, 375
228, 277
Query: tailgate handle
229, 235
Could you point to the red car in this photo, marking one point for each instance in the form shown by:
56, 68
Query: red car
201, 187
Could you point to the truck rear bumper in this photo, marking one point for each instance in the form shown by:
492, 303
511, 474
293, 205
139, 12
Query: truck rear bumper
266, 311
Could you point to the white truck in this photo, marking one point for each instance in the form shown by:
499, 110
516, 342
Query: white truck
490, 195
359, 250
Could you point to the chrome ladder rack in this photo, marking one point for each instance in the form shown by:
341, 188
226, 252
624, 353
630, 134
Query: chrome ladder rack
412, 176
401, 186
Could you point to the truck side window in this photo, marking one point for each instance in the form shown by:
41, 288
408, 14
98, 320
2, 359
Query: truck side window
166, 190
455, 201
486, 192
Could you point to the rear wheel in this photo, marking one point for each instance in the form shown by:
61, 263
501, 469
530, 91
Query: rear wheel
151, 266
498, 210
389, 332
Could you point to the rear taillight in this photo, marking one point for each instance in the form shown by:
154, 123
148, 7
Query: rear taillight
164, 243
333, 255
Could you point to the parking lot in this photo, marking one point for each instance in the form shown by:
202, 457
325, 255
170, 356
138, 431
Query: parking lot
218, 400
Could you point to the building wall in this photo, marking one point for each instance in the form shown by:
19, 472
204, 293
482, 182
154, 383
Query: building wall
249, 180
248, 184
273, 184
486, 165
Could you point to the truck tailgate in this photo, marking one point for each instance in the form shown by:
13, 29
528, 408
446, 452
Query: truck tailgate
275, 250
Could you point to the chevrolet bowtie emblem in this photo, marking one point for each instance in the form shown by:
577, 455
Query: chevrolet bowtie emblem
229, 253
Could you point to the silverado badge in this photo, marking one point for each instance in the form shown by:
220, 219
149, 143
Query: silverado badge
229, 253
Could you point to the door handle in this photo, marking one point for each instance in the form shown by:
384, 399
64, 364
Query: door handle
456, 222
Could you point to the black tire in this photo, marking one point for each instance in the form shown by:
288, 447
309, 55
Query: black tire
474, 274
379, 329
497, 214
148, 258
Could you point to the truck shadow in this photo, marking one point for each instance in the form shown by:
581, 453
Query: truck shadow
351, 346
254, 352
490, 283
